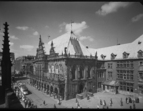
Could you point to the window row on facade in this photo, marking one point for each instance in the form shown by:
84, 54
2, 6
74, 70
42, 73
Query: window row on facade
126, 86
81, 73
125, 64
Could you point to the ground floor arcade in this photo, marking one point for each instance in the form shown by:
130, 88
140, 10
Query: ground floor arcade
50, 88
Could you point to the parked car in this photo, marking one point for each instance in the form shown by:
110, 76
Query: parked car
24, 89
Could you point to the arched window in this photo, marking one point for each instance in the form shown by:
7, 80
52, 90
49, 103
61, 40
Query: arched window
92, 73
88, 73
85, 72
60, 69
73, 72
81, 72
56, 69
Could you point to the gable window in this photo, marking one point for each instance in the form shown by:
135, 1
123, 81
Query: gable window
103, 56
140, 53
113, 56
125, 55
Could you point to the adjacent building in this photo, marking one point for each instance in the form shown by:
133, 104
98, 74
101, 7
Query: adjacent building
124, 65
24, 64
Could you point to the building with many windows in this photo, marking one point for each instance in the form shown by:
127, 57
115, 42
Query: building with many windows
123, 64
64, 67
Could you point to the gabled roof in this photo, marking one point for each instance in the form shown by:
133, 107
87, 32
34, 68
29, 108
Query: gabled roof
69, 40
131, 48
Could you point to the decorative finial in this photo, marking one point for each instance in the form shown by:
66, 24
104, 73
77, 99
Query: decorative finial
96, 55
65, 50
52, 44
71, 26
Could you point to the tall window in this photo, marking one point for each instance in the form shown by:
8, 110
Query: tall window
140, 87
140, 63
73, 72
99, 84
109, 75
81, 73
140, 76
109, 65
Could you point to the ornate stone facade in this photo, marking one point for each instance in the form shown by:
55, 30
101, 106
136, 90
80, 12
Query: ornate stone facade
63, 76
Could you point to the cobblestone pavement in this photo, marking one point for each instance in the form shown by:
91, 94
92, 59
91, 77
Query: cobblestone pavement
92, 103
38, 97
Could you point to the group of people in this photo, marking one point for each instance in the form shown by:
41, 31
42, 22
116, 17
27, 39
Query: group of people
104, 105
130, 100
29, 104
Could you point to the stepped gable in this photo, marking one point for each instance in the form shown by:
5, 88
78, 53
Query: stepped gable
131, 48
68, 40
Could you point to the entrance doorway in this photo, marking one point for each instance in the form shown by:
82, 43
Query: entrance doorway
80, 88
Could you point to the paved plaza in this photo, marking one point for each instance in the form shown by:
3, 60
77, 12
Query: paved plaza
38, 97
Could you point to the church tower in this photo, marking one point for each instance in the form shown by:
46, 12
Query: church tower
6, 61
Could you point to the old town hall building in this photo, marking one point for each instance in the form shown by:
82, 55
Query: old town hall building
64, 67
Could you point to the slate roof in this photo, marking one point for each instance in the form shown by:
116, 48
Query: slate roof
131, 48
69, 40
75, 47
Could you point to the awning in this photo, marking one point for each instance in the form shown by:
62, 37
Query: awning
111, 83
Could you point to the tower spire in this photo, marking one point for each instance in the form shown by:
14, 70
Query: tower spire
6, 61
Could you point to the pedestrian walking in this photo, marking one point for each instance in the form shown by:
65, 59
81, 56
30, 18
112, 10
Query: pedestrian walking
101, 102
121, 102
78, 106
25, 101
59, 102
54, 106
29, 104
126, 100
137, 100
134, 106
44, 102
130, 100
130, 107
111, 102
87, 97
104, 103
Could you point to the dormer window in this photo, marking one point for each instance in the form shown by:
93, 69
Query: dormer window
103, 56
125, 55
140, 53
113, 56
